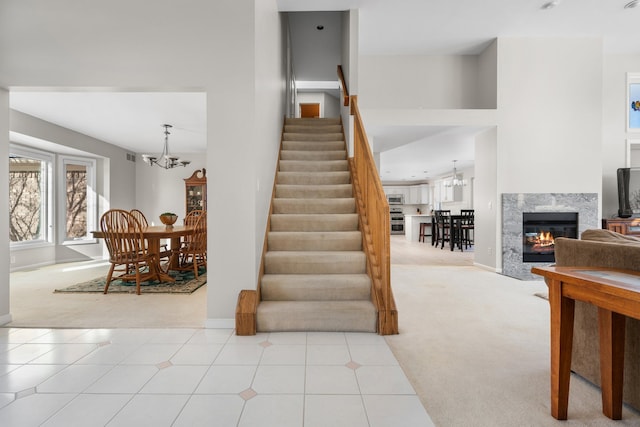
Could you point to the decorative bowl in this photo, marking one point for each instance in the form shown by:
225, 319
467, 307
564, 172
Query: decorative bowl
168, 219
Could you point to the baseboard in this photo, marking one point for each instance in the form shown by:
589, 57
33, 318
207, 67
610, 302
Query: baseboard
7, 318
220, 324
488, 268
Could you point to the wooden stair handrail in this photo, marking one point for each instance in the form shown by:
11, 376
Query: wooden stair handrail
373, 213
343, 84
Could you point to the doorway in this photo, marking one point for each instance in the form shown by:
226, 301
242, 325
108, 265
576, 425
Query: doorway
310, 110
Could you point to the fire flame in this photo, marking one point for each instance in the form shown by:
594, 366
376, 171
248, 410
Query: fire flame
545, 239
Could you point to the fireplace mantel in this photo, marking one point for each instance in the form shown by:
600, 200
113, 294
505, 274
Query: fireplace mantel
515, 204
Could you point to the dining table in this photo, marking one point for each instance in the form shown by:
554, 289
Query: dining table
153, 234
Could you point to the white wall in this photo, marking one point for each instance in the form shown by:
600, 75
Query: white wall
331, 106
270, 107
350, 31
614, 113
121, 180
485, 203
418, 81
203, 45
5, 315
549, 112
158, 190
487, 84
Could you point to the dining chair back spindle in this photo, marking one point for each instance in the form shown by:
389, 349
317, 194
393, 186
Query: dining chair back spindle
127, 249
137, 214
192, 216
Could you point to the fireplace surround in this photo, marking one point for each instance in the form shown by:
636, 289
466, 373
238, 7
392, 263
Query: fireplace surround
514, 205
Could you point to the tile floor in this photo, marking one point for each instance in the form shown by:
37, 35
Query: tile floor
208, 377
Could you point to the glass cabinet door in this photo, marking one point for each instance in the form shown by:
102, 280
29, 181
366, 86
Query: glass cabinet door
196, 191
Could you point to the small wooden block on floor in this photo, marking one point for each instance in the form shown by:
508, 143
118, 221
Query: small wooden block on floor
246, 312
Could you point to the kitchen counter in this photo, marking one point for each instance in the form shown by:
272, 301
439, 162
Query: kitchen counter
412, 226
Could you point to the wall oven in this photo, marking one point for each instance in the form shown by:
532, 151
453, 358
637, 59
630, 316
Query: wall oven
396, 218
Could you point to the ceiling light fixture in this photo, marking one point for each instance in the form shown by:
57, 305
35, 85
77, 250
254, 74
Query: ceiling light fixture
632, 4
456, 180
166, 160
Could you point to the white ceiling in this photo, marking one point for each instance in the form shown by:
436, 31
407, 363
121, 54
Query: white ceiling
133, 120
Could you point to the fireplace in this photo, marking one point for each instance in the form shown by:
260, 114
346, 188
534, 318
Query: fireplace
515, 204
539, 229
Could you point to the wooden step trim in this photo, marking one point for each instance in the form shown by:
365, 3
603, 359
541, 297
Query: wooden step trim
246, 312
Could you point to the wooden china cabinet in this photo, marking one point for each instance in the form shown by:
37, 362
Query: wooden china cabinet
196, 191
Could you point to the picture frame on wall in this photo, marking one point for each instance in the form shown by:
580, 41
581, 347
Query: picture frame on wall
633, 102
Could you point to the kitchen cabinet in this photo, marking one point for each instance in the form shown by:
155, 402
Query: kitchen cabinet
450, 193
196, 191
413, 194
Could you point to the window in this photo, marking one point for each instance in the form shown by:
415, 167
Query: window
29, 196
77, 179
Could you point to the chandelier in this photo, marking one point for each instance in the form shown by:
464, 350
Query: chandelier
166, 160
456, 180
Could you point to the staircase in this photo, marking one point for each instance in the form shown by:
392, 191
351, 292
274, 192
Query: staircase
315, 276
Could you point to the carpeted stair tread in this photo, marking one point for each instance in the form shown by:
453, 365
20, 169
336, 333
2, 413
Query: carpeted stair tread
313, 155
312, 121
313, 145
328, 316
312, 136
315, 287
315, 271
313, 166
313, 178
314, 206
314, 222
314, 262
311, 128
314, 241
332, 191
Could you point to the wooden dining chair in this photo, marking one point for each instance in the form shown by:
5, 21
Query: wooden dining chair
192, 217
165, 252
192, 253
127, 249
137, 214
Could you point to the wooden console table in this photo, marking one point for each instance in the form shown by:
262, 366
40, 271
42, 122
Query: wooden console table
629, 226
616, 293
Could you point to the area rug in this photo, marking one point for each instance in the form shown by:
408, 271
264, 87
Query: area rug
185, 283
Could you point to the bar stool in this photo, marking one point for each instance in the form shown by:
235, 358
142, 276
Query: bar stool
443, 227
467, 226
423, 231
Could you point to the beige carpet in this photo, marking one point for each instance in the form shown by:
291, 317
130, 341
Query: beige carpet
34, 303
474, 344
